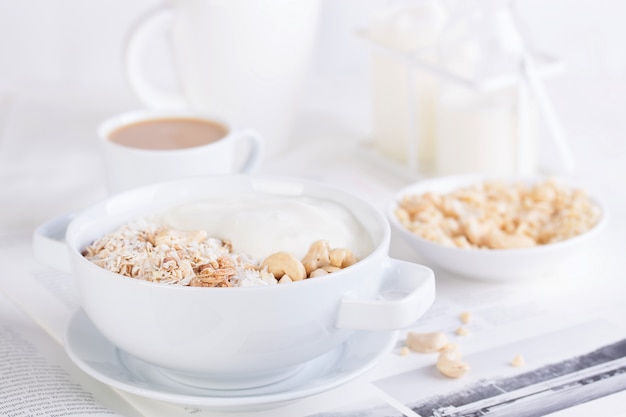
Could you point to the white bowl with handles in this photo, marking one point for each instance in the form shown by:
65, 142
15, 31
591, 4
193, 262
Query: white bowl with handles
235, 337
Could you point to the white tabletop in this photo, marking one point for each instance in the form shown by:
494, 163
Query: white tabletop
50, 164
60, 76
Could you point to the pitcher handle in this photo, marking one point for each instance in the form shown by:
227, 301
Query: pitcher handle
145, 31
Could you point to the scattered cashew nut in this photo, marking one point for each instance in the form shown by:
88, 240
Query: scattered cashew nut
426, 342
518, 361
317, 256
462, 331
465, 317
450, 364
283, 263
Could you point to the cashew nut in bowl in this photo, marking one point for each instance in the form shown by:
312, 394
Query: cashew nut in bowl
450, 364
283, 263
524, 227
318, 273
285, 279
342, 257
426, 342
317, 256
330, 269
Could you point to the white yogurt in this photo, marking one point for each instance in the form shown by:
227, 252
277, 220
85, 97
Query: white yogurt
261, 225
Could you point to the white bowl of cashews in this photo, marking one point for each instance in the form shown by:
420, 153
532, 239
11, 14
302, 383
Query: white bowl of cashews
235, 336
494, 228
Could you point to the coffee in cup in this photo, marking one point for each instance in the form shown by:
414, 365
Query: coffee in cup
168, 133
149, 146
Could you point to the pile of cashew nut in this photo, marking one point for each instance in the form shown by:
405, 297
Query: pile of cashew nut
319, 260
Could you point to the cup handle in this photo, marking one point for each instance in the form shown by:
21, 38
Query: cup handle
141, 35
255, 153
416, 281
49, 242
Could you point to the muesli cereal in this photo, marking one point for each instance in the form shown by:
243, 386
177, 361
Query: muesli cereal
153, 252
156, 253
498, 215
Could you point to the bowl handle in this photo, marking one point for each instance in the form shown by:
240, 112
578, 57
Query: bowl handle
417, 282
49, 242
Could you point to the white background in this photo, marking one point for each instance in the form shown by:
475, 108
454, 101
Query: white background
61, 74
74, 43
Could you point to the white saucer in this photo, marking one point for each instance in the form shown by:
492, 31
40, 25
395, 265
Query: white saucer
102, 360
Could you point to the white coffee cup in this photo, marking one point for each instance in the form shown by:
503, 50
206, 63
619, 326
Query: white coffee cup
242, 60
128, 166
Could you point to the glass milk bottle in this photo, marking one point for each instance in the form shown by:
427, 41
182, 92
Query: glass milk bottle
479, 133
403, 97
489, 125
